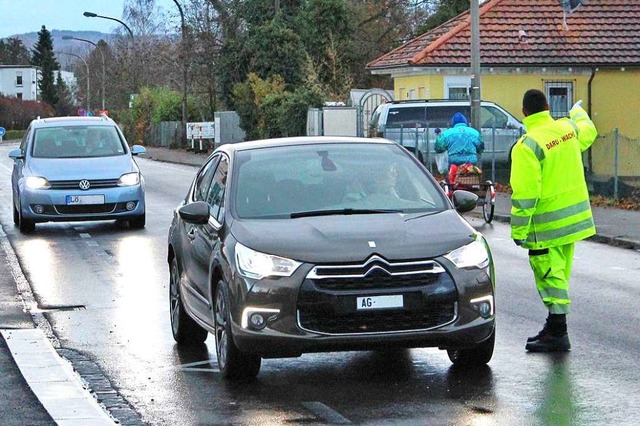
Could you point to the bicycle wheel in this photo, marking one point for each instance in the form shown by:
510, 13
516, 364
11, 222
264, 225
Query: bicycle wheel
488, 207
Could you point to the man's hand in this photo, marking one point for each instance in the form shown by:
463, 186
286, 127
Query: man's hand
576, 105
437, 131
519, 243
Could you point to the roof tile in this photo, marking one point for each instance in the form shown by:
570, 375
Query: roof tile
599, 33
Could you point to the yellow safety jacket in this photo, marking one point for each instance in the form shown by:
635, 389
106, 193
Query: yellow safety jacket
550, 201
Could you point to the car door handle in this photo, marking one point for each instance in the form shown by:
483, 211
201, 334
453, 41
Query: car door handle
192, 233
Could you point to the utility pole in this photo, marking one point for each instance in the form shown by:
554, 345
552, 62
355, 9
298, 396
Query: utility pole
185, 65
475, 65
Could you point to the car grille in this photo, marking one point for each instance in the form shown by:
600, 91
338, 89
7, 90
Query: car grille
327, 299
75, 184
80, 209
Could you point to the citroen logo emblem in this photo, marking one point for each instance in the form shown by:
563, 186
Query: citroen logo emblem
84, 184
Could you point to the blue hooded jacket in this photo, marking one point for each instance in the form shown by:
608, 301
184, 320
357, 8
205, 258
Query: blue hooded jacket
462, 143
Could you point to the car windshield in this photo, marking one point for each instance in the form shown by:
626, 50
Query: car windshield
331, 179
77, 141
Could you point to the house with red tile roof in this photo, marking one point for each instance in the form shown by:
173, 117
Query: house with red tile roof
592, 53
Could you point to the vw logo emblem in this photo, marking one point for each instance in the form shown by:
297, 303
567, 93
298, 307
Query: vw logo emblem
84, 184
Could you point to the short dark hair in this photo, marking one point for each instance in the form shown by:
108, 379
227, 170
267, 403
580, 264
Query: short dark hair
534, 101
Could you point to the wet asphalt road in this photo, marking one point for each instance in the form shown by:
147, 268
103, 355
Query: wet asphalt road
104, 291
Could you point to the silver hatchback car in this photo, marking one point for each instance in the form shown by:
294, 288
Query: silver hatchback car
76, 169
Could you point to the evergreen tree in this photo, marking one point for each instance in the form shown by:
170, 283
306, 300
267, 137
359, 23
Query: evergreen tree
42, 56
15, 53
445, 10
64, 106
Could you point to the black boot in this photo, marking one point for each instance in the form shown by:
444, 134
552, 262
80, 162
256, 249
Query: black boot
553, 337
543, 332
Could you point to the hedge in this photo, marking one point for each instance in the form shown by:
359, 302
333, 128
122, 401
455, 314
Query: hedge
13, 134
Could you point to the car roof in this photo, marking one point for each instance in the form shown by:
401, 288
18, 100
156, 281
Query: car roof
72, 121
432, 102
300, 140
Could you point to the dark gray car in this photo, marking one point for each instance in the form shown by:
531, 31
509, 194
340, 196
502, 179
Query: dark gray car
311, 244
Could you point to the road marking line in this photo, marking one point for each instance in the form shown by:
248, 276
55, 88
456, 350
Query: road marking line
53, 380
326, 413
189, 367
85, 235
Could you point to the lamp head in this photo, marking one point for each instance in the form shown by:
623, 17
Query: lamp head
67, 37
90, 14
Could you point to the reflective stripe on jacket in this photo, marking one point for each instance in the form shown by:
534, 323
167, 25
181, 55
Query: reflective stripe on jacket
550, 200
462, 143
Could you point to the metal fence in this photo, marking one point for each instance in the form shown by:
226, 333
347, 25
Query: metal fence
613, 166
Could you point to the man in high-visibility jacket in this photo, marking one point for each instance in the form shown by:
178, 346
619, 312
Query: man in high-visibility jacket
550, 207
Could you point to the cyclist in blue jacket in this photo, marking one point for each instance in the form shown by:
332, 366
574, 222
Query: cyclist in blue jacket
461, 142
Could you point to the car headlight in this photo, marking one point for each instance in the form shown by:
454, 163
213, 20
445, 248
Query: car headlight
37, 182
474, 255
253, 264
129, 179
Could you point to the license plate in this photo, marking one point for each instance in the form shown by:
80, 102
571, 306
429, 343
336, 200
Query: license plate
84, 199
379, 302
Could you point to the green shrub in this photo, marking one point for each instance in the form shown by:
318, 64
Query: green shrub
13, 134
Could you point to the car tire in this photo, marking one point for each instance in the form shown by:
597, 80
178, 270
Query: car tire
25, 225
480, 355
184, 329
16, 215
233, 363
138, 222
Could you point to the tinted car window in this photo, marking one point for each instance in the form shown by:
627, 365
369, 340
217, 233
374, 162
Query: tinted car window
440, 116
215, 196
490, 117
406, 116
203, 181
276, 182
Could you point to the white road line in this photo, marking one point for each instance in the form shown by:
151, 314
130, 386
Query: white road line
326, 413
52, 379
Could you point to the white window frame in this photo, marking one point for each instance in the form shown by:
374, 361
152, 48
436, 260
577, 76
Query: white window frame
559, 104
456, 82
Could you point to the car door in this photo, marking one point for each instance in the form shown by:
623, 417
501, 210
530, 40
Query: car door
195, 298
207, 239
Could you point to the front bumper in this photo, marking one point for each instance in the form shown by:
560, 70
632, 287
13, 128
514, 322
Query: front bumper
315, 317
52, 206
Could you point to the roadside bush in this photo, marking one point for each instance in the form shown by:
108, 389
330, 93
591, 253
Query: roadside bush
16, 114
13, 134
266, 110
285, 114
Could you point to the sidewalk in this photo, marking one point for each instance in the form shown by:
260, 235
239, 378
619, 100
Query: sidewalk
18, 403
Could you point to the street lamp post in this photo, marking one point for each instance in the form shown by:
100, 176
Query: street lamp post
95, 15
184, 76
101, 54
133, 42
88, 84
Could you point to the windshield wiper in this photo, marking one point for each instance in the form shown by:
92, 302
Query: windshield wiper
341, 212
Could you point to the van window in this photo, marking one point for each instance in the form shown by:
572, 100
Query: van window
440, 116
491, 116
405, 116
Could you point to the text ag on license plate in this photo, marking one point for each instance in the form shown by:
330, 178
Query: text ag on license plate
379, 302
84, 199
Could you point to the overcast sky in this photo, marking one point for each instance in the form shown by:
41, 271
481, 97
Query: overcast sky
24, 16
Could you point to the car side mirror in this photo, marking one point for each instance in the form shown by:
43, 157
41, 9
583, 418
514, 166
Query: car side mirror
16, 154
464, 201
196, 213
138, 149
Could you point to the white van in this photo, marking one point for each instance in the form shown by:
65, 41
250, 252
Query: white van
412, 123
